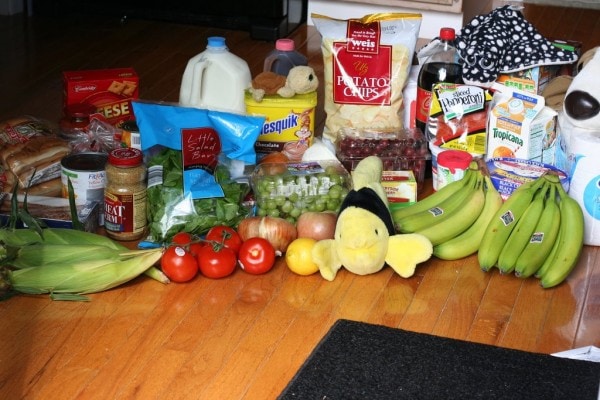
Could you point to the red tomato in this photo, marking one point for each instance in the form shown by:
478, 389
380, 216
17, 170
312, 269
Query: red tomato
182, 238
225, 235
216, 261
256, 256
188, 242
196, 247
178, 264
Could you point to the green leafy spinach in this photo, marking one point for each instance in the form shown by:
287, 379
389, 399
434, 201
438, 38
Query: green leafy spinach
171, 211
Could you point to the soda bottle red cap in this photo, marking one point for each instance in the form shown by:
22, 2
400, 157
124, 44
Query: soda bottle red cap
284, 44
447, 34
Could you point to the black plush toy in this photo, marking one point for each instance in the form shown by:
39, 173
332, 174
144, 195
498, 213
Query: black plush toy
504, 42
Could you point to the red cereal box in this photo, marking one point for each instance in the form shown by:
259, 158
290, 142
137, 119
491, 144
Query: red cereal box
109, 90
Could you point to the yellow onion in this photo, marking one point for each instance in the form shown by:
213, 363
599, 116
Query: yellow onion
316, 225
278, 231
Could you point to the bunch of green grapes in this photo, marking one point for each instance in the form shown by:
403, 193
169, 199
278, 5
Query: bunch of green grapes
288, 195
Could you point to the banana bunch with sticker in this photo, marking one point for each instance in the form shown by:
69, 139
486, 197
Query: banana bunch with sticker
455, 217
537, 231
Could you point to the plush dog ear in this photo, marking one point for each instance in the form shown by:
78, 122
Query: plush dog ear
555, 91
587, 56
582, 101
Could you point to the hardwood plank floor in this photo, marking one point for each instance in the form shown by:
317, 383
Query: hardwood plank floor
245, 336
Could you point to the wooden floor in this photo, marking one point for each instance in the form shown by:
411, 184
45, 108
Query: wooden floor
245, 336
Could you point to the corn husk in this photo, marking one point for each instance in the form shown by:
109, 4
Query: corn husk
23, 237
82, 277
41, 255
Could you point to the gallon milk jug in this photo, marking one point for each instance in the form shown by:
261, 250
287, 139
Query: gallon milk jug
215, 79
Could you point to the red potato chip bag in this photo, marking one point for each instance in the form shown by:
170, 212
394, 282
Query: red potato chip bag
366, 65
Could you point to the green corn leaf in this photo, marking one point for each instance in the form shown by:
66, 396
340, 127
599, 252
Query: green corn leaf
77, 225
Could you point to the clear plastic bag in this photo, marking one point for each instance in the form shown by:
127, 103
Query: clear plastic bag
99, 136
195, 159
366, 65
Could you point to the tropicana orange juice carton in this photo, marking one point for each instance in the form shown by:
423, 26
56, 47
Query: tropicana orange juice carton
520, 126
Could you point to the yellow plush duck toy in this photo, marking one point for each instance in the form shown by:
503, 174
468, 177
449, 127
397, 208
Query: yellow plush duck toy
365, 239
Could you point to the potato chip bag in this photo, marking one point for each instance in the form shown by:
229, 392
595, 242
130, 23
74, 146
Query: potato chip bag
366, 64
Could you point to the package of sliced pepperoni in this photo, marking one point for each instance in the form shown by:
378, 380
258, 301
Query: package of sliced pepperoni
458, 117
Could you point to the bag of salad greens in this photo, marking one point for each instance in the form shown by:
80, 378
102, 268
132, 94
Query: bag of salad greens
196, 160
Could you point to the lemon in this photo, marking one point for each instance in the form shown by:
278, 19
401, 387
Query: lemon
298, 256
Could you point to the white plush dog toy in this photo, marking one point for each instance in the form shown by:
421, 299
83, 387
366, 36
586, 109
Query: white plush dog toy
581, 107
580, 111
579, 139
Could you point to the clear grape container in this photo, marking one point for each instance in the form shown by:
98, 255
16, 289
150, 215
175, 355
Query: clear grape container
401, 150
287, 190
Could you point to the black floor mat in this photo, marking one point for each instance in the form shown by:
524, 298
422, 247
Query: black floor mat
363, 361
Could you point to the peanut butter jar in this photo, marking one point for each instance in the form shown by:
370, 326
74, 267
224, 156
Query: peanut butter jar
125, 195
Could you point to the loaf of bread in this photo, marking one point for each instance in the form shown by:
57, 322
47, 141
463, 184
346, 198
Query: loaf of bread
37, 151
20, 129
31, 152
51, 188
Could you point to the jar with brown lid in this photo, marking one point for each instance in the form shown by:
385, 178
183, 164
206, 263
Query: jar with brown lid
74, 125
125, 195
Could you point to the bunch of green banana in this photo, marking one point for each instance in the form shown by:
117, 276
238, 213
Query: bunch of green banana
503, 222
467, 243
401, 215
521, 234
454, 217
566, 251
541, 241
537, 230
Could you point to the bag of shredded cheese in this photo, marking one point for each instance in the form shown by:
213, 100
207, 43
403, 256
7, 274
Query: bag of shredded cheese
366, 65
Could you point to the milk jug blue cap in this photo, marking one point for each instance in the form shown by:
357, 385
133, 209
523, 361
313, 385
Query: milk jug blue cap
216, 42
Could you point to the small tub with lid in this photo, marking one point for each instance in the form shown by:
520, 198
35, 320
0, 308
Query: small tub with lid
451, 166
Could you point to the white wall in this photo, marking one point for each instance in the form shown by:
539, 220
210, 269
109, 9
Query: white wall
594, 4
430, 26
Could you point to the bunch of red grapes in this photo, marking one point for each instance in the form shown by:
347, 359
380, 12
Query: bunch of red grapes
402, 151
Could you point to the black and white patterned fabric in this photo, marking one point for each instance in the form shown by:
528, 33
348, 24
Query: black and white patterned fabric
503, 42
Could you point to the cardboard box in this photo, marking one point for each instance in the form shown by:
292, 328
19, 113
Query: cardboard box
400, 187
531, 80
110, 91
54, 211
570, 45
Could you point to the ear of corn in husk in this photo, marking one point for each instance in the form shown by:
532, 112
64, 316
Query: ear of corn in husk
83, 277
22, 237
67, 263
41, 255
